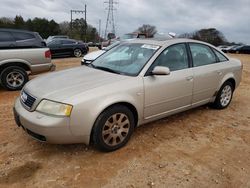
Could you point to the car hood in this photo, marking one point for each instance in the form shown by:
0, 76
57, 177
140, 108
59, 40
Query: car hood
62, 85
93, 55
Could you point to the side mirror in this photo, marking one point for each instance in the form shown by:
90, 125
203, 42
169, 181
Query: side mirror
160, 70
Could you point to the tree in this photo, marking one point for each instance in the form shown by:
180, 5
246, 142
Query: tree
147, 29
65, 28
49, 27
211, 35
19, 23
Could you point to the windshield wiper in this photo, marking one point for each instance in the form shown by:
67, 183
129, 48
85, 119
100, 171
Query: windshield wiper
106, 69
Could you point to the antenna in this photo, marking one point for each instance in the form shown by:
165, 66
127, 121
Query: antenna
110, 17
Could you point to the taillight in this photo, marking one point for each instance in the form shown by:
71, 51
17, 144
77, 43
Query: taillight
48, 54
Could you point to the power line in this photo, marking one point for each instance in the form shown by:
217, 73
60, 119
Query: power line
85, 18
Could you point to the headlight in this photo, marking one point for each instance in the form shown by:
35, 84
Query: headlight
54, 108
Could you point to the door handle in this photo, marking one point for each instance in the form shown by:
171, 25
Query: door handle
189, 78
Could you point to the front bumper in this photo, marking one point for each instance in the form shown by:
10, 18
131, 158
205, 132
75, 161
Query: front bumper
43, 127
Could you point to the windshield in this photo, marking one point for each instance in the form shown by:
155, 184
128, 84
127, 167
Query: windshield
112, 46
127, 58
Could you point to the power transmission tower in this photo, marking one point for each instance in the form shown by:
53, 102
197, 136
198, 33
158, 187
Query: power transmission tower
110, 17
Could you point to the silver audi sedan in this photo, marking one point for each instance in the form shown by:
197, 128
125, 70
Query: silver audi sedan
132, 84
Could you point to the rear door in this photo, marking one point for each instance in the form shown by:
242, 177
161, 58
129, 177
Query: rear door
7, 40
207, 73
168, 94
67, 47
55, 47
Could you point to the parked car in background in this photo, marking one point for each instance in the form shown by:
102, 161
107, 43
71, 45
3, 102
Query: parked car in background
90, 57
228, 48
133, 36
15, 38
17, 64
221, 47
132, 84
244, 49
67, 47
92, 44
50, 38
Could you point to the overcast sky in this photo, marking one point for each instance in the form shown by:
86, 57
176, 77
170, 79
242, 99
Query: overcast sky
232, 17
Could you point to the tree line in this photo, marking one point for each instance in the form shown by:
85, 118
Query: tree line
79, 29
210, 35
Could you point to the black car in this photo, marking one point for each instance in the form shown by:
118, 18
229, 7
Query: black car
242, 50
14, 38
67, 47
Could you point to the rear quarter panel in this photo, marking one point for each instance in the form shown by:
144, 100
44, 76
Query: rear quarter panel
233, 69
34, 58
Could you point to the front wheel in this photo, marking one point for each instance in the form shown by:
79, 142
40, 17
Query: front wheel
14, 78
224, 96
113, 128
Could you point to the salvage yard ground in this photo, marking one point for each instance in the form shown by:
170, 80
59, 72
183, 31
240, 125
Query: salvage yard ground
199, 148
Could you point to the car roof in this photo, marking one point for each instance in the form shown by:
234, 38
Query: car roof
17, 30
60, 39
164, 41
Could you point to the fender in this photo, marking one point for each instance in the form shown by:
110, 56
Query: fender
6, 61
81, 124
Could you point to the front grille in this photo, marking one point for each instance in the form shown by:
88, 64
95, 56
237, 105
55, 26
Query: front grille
27, 99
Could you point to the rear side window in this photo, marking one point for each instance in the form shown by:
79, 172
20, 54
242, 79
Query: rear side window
68, 42
6, 36
246, 48
22, 36
220, 56
202, 55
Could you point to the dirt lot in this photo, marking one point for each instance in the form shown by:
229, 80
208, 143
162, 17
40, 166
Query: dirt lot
199, 148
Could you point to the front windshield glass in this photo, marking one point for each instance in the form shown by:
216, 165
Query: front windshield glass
112, 46
127, 58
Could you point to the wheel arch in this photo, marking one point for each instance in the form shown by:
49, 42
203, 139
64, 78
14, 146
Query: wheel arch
230, 78
129, 105
23, 65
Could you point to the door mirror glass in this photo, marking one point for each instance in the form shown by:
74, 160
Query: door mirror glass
160, 70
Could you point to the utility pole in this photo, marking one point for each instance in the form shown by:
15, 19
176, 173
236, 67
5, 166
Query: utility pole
100, 23
85, 18
110, 16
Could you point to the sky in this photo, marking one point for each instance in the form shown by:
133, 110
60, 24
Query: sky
231, 17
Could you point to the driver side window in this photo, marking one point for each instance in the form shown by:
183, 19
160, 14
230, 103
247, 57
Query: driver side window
174, 57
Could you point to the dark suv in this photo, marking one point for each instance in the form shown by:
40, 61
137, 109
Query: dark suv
14, 38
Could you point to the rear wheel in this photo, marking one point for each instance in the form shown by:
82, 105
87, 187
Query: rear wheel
14, 78
77, 52
224, 96
113, 128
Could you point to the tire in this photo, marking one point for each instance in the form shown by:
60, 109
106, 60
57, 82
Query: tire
108, 134
14, 78
77, 52
224, 96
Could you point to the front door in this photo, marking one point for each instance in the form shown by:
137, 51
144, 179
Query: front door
167, 94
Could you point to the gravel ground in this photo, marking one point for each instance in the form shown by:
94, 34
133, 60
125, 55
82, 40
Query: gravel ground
202, 147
